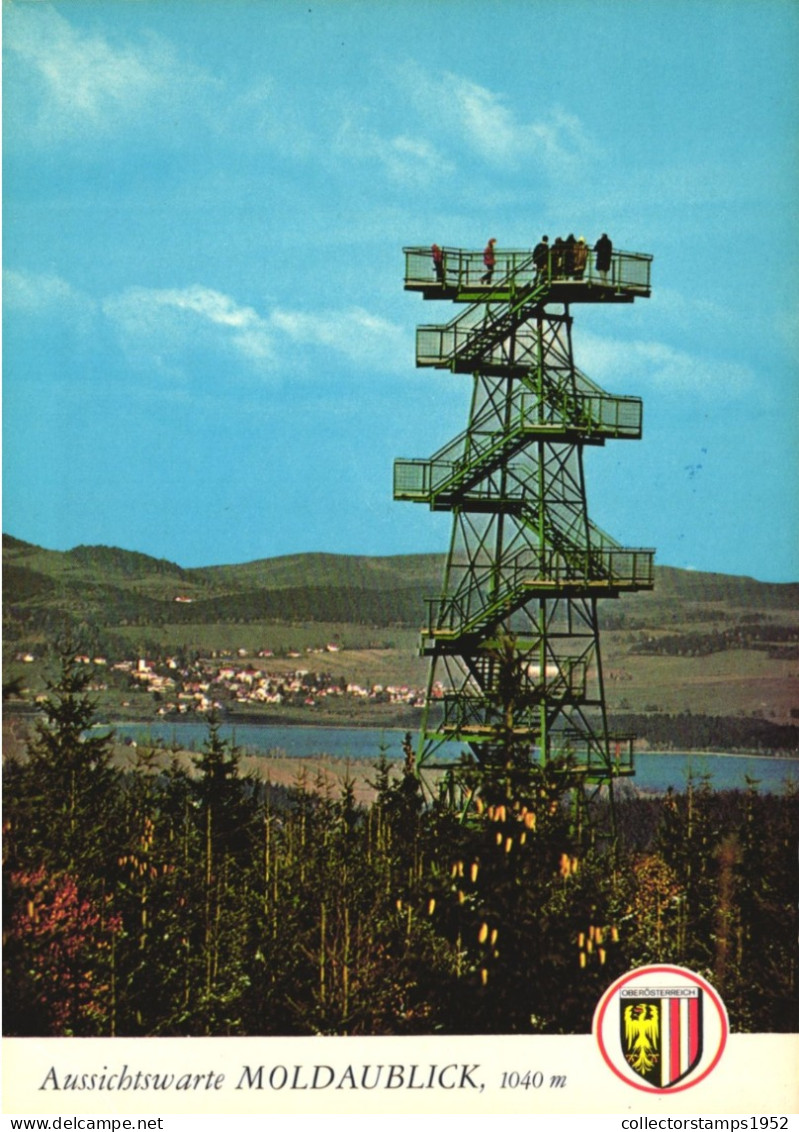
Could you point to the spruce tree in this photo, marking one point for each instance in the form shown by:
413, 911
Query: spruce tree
61, 806
227, 809
72, 788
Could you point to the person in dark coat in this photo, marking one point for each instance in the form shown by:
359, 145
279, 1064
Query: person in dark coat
580, 257
568, 255
541, 256
604, 254
489, 259
558, 249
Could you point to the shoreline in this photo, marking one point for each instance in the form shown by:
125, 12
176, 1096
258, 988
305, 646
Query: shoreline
392, 729
326, 773
688, 752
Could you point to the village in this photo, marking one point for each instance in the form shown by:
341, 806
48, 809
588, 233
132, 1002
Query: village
231, 680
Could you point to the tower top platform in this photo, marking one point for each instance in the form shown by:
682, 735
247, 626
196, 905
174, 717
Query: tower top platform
461, 276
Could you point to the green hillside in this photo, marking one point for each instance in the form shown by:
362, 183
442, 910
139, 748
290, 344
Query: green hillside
323, 570
113, 591
677, 591
113, 588
45, 591
703, 654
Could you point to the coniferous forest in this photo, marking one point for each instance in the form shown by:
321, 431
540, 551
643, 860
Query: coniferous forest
163, 901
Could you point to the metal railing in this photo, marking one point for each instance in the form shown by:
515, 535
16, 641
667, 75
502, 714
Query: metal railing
497, 592
617, 417
580, 753
471, 456
484, 336
467, 458
486, 323
462, 270
587, 756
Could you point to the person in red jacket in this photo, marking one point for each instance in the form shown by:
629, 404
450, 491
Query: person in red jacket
438, 262
490, 260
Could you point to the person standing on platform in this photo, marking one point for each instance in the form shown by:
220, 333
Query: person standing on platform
541, 257
580, 257
568, 255
604, 255
438, 262
490, 260
558, 249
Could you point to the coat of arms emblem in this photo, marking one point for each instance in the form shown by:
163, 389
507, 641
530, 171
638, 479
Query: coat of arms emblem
661, 1032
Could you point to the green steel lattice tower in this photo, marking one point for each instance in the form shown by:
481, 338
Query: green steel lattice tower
513, 639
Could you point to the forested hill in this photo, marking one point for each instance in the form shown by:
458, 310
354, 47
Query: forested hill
45, 589
694, 585
107, 586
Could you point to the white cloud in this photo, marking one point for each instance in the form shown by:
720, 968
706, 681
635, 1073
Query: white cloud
407, 160
363, 338
616, 364
169, 322
75, 82
484, 119
46, 294
167, 326
471, 113
688, 310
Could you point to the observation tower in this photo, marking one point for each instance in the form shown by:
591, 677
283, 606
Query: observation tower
515, 668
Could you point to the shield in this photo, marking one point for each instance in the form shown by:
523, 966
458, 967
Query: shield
661, 1032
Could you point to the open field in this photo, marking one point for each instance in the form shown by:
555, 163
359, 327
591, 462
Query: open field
735, 682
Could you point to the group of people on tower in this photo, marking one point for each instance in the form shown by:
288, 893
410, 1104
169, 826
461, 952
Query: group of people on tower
567, 259
563, 259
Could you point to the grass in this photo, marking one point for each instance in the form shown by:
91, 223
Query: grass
730, 683
278, 636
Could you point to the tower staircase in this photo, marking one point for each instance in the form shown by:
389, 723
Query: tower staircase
513, 637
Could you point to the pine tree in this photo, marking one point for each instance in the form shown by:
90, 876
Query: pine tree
72, 789
61, 848
227, 809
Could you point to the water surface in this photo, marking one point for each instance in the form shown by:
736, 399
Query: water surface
654, 771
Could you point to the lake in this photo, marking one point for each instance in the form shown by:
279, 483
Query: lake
654, 771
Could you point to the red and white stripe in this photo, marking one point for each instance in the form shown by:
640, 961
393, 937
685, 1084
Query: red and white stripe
679, 1032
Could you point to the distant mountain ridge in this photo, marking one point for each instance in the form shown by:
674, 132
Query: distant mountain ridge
108, 586
696, 585
285, 570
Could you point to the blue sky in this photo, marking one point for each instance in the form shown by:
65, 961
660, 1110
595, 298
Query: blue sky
208, 352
